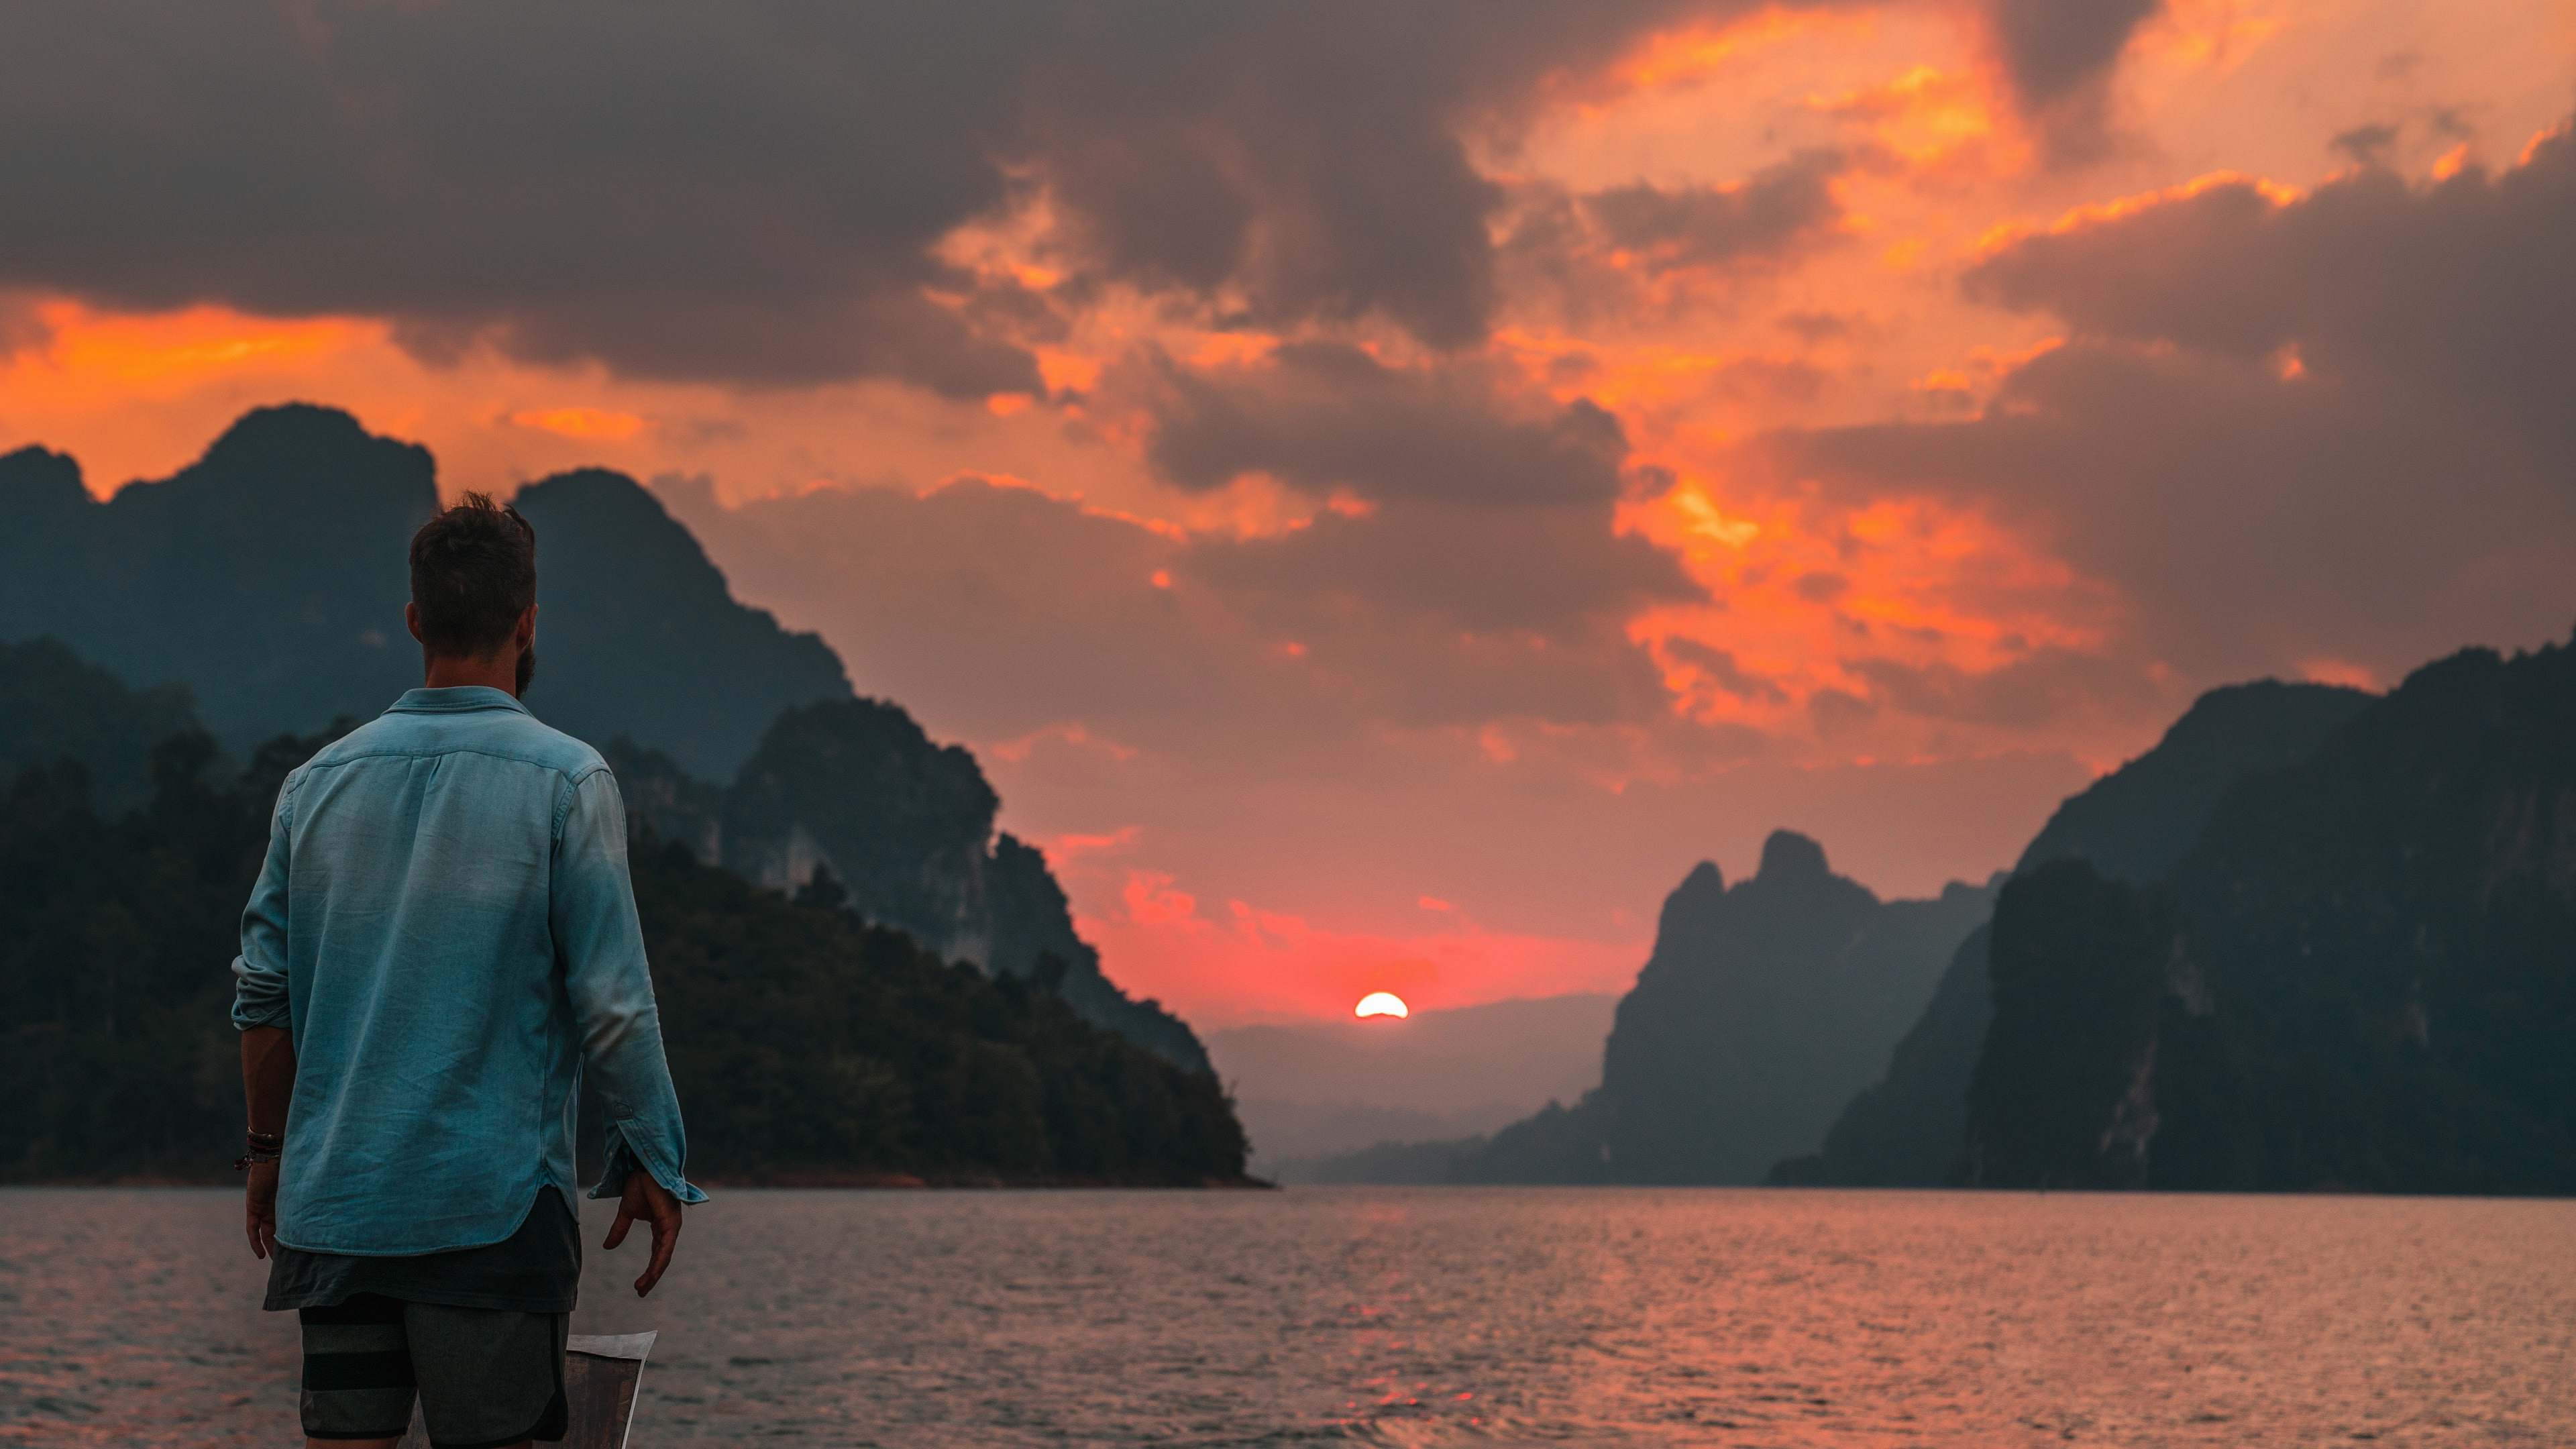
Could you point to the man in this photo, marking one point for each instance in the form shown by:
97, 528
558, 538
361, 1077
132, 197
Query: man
441, 945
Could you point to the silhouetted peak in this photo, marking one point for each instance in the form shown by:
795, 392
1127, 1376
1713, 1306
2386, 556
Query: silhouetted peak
1698, 900
2235, 710
613, 517
306, 425
2137, 821
39, 480
1959, 890
298, 448
601, 494
1787, 855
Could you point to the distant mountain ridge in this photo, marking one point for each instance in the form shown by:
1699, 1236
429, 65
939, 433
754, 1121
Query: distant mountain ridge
267, 579
1312, 1089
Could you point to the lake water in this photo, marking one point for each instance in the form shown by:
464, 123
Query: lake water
1421, 1316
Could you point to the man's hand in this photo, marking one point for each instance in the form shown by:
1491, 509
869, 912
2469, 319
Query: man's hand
268, 1085
260, 1209
649, 1200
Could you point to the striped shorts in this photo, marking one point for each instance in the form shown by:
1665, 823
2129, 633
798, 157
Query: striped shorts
484, 1377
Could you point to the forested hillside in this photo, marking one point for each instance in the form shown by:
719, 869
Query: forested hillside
807, 1045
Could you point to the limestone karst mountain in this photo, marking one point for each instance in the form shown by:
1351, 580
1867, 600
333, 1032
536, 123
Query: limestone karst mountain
1909, 1128
1763, 1007
2361, 975
266, 580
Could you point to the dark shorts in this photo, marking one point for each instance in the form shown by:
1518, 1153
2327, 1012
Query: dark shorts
484, 1376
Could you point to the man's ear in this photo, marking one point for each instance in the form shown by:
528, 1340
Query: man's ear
527, 631
411, 621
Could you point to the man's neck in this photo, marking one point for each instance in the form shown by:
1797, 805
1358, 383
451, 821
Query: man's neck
499, 670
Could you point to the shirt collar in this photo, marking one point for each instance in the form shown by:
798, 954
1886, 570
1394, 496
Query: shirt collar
455, 699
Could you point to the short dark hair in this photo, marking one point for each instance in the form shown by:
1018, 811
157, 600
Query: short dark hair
473, 573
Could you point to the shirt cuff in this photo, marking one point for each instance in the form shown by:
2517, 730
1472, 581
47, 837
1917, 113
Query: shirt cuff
624, 1157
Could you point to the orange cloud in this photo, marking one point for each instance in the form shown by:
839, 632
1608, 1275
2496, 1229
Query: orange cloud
86, 351
1693, 56
1063, 850
1925, 115
1018, 750
606, 425
2004, 234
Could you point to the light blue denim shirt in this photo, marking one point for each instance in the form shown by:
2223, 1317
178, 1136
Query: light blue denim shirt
446, 925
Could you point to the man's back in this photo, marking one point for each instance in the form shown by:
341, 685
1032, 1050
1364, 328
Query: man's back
441, 946
446, 924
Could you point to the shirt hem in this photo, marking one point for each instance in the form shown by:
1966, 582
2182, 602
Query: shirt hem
543, 1182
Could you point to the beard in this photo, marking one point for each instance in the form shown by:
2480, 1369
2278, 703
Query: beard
527, 669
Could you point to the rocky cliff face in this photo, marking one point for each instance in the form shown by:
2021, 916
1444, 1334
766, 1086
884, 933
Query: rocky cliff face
1763, 1008
1910, 1127
638, 634
856, 794
2361, 975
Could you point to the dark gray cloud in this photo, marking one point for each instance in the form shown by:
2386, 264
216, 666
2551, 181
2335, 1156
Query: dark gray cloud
2458, 291
2367, 145
2047, 686
1723, 671
679, 193
754, 194
2334, 426
1594, 254
1422, 614
1821, 586
2059, 56
1532, 572
2244, 523
1323, 416
1815, 327
2053, 48
1711, 225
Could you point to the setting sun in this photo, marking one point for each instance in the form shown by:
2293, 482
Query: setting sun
1381, 1003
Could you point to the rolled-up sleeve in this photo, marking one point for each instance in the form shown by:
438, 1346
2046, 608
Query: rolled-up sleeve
259, 972
601, 944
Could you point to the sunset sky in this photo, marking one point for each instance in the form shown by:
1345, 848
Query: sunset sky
1385, 488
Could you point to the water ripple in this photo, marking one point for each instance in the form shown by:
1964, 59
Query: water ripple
1421, 1317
